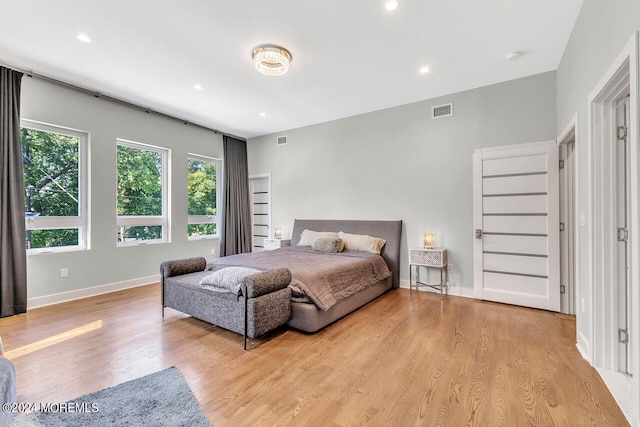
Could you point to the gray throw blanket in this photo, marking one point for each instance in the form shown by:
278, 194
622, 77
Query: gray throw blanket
325, 278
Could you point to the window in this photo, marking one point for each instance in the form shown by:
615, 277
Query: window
54, 162
203, 190
142, 199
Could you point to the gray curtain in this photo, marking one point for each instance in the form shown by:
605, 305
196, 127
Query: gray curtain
13, 255
236, 215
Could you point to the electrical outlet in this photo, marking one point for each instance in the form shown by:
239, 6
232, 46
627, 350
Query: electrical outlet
64, 272
213, 251
449, 268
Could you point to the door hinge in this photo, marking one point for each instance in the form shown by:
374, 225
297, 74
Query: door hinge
478, 233
622, 132
561, 164
623, 234
562, 226
623, 336
563, 289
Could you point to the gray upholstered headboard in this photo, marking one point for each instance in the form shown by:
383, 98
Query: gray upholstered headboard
391, 231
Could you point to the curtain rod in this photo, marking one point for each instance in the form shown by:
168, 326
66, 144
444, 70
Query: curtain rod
32, 74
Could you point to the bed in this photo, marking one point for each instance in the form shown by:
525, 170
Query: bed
318, 310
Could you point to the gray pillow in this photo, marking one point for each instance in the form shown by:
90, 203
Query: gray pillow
328, 244
227, 279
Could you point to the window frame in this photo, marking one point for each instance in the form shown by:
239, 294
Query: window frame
206, 219
81, 221
147, 220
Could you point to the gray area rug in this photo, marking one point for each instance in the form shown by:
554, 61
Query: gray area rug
160, 399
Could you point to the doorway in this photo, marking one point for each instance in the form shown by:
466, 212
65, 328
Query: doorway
568, 231
613, 246
622, 225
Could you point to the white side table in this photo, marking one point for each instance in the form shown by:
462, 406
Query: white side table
271, 244
428, 258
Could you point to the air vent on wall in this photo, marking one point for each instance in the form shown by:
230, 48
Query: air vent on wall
438, 111
282, 140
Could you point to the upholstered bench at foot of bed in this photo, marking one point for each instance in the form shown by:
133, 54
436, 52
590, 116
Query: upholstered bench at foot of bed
268, 303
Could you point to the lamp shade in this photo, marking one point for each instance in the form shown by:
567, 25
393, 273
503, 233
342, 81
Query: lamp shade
277, 232
429, 240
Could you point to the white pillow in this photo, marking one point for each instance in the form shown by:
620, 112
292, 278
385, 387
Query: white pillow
307, 237
362, 242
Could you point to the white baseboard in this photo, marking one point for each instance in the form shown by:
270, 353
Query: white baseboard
584, 351
452, 290
90, 292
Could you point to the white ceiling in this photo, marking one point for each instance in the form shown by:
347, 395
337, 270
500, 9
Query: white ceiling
349, 56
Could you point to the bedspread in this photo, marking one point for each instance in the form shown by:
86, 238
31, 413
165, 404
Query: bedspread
325, 278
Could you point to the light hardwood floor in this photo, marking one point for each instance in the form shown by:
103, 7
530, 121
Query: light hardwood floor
404, 359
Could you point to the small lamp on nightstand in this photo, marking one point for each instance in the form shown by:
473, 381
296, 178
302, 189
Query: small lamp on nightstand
277, 233
429, 240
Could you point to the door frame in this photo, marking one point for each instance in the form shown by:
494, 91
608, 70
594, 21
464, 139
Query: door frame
570, 134
621, 76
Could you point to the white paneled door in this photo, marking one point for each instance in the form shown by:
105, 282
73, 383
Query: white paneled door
260, 189
516, 222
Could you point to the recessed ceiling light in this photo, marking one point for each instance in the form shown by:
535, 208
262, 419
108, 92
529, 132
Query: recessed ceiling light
198, 87
512, 56
391, 5
424, 69
83, 38
263, 114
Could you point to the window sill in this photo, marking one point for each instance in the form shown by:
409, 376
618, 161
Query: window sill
198, 238
58, 250
141, 243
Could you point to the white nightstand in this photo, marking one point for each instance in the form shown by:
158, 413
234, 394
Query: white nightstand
271, 244
428, 258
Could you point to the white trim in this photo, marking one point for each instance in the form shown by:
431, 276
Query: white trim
163, 220
634, 141
584, 352
477, 224
451, 290
207, 219
90, 292
622, 76
81, 221
569, 133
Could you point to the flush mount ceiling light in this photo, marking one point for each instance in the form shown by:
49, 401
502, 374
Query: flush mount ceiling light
271, 60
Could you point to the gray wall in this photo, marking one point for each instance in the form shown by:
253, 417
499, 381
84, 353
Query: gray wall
398, 163
602, 30
104, 263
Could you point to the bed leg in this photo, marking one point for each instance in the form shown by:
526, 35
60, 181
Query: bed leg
244, 335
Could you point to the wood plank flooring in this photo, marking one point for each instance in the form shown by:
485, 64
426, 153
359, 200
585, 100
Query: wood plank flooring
404, 359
